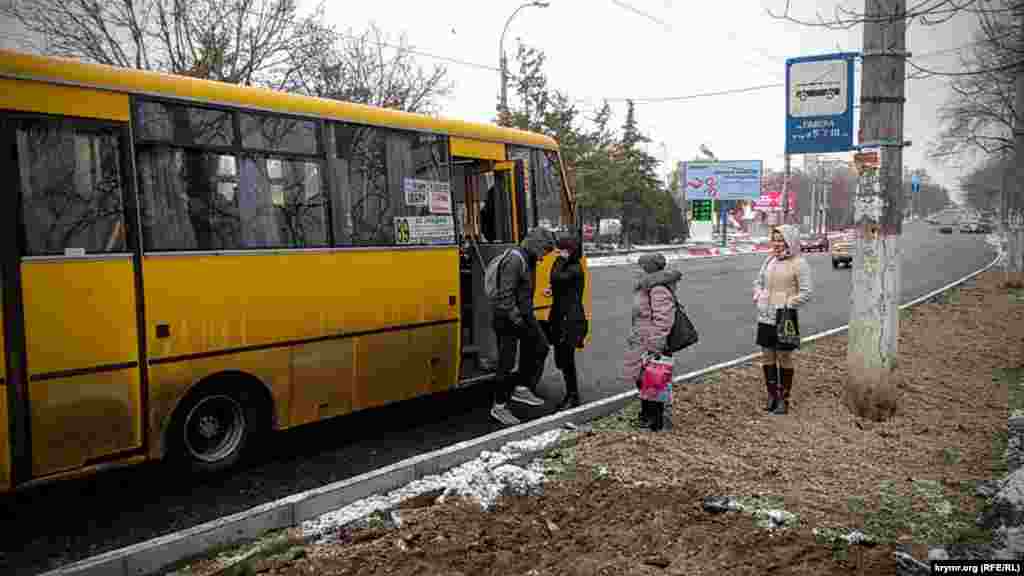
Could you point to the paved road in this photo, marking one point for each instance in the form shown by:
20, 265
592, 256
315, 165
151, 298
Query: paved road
717, 295
68, 521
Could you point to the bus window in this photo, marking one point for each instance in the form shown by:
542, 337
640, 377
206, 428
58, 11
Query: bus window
381, 174
548, 191
184, 125
71, 187
278, 134
197, 194
528, 203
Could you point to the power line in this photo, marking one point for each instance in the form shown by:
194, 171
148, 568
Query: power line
699, 95
635, 10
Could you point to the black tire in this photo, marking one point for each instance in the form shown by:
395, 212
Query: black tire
211, 429
835, 265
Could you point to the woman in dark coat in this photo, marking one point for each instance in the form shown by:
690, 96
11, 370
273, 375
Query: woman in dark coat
567, 322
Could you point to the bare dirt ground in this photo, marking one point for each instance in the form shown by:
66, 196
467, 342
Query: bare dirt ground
625, 501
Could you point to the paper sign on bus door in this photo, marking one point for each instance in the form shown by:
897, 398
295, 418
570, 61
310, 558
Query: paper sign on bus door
440, 198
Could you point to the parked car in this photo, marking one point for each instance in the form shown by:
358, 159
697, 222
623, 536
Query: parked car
946, 229
842, 250
816, 243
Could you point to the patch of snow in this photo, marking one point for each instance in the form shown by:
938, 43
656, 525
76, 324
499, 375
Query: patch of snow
482, 479
1012, 489
856, 537
775, 518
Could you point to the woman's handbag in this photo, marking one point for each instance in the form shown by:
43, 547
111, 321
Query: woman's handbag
656, 378
787, 328
683, 333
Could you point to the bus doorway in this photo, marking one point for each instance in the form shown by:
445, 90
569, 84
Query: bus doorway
486, 194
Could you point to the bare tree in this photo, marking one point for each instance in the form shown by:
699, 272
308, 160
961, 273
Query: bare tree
241, 41
979, 113
367, 69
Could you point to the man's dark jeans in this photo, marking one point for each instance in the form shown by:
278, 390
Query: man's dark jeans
533, 346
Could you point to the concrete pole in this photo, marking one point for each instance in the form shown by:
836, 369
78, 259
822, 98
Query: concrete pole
874, 313
1013, 215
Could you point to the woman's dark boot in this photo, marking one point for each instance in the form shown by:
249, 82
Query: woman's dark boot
643, 420
657, 416
771, 383
786, 385
572, 392
571, 400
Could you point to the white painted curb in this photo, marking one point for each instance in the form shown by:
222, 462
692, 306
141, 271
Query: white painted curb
153, 555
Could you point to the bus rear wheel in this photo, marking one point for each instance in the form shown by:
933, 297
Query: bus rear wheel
212, 431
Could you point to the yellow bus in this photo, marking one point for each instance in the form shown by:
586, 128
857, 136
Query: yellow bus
186, 264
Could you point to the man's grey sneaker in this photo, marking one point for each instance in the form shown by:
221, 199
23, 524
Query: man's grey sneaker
502, 415
523, 395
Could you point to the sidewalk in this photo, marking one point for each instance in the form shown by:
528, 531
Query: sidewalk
729, 489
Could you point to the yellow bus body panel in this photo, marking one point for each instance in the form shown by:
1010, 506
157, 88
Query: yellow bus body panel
587, 306
62, 70
62, 100
328, 332
82, 418
80, 316
468, 148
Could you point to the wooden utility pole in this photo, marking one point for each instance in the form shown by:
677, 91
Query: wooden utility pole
878, 209
1013, 207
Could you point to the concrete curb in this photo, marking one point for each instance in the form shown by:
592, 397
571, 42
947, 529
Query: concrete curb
153, 555
673, 255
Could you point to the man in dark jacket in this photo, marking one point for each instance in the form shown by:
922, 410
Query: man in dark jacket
515, 323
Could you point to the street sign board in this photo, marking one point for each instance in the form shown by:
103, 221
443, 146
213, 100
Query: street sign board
915, 183
728, 180
819, 103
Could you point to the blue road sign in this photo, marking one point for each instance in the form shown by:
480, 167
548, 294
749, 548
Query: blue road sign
915, 183
819, 103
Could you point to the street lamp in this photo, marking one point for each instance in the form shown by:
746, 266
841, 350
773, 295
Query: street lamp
501, 52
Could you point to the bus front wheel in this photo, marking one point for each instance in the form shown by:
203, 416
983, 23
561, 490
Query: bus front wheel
212, 430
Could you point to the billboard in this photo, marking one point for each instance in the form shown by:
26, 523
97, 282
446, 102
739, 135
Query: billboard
771, 199
819, 103
728, 180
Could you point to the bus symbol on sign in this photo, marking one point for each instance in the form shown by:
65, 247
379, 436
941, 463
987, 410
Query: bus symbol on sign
827, 93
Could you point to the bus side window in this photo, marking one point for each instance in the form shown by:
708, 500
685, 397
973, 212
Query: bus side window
72, 194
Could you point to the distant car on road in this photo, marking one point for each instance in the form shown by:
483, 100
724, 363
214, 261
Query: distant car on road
946, 230
815, 243
842, 250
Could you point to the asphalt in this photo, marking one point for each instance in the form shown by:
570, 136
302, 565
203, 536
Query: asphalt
717, 294
68, 521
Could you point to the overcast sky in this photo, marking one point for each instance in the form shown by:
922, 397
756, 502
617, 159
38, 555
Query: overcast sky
600, 49
618, 49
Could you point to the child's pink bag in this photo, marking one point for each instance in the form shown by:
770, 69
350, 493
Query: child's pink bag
656, 378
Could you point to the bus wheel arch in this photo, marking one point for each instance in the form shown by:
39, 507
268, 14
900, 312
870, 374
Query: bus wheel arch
217, 420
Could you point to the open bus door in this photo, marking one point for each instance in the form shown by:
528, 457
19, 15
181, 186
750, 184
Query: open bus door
490, 194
